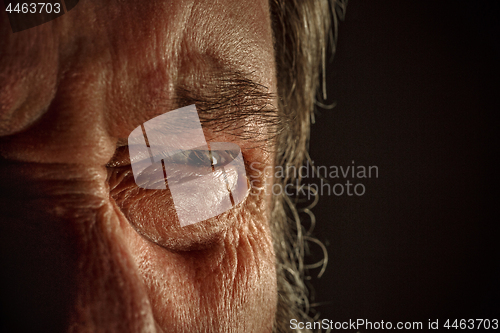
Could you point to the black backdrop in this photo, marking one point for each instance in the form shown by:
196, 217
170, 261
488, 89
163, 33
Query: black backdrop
417, 90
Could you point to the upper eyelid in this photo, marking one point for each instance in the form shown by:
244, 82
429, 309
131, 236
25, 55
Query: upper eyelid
230, 101
227, 105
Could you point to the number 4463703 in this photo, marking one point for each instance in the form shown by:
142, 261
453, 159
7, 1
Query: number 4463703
462, 324
33, 8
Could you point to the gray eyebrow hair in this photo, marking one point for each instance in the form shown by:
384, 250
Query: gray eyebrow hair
230, 101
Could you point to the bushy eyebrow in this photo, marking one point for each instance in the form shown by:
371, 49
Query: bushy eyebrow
233, 103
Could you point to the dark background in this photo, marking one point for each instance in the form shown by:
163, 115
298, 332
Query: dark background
417, 91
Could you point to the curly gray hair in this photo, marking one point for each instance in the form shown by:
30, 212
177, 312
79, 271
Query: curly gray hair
303, 29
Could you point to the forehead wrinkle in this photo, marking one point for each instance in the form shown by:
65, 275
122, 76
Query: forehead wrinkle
236, 33
189, 57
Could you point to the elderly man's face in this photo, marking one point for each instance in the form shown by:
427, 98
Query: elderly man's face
78, 235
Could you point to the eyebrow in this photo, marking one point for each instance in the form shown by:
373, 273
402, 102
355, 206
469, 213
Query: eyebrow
229, 101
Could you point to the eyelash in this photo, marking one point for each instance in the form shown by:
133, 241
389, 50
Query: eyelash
230, 102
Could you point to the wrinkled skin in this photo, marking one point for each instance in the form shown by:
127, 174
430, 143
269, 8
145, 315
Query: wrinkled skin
74, 257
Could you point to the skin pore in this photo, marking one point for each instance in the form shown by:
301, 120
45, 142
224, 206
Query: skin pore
72, 90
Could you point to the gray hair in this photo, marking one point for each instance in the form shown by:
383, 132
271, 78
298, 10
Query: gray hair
303, 29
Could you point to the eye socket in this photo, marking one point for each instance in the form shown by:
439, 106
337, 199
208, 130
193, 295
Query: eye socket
198, 181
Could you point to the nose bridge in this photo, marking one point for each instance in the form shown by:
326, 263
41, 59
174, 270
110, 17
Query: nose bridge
76, 120
74, 127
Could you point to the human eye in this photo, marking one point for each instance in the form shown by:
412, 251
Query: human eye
194, 171
194, 157
170, 181
222, 160
203, 156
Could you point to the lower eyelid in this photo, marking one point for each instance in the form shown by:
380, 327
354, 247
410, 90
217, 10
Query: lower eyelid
152, 213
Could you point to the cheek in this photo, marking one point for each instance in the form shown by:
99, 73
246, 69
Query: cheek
229, 286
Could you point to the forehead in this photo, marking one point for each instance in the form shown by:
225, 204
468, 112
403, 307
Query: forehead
133, 55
